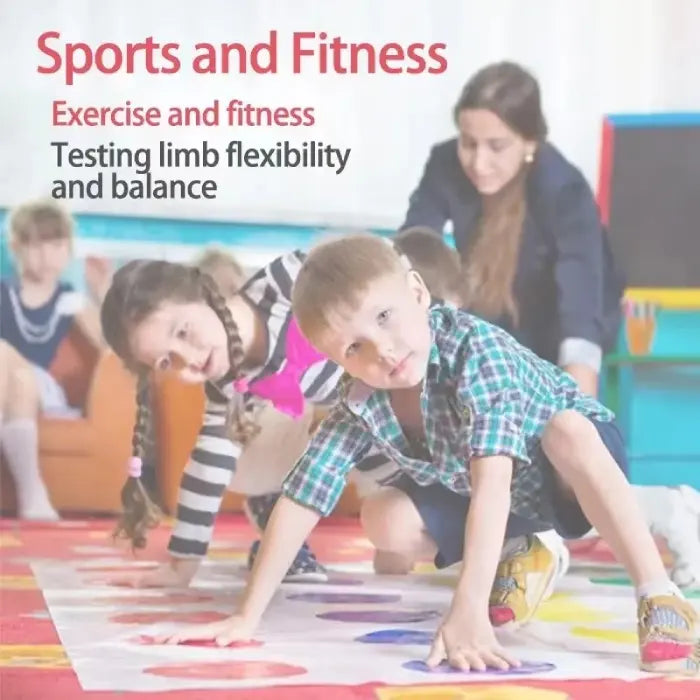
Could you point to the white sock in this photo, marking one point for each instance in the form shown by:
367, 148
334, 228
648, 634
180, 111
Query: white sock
660, 587
20, 444
554, 542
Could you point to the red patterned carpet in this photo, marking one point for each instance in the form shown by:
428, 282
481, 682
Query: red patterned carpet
34, 664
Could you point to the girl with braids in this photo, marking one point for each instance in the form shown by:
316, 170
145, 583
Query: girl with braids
536, 258
165, 317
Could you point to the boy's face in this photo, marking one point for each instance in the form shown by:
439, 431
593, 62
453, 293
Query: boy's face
385, 340
42, 260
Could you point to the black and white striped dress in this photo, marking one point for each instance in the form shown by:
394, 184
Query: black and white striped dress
213, 460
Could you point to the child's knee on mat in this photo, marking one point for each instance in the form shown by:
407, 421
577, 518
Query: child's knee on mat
393, 525
569, 441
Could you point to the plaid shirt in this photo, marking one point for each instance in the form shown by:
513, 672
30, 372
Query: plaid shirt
484, 395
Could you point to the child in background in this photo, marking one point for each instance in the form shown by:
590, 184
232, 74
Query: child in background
37, 311
456, 401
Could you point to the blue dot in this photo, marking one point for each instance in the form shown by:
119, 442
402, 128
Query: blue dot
526, 668
396, 636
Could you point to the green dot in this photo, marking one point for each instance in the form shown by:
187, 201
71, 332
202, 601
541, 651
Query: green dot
624, 581
612, 581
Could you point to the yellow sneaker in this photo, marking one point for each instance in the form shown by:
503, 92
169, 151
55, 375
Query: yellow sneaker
667, 639
522, 582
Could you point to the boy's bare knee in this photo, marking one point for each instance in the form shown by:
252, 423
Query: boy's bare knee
567, 437
391, 521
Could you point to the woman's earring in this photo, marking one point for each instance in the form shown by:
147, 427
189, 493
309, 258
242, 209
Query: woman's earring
529, 157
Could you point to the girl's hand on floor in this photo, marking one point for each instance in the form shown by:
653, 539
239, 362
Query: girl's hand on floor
233, 629
177, 573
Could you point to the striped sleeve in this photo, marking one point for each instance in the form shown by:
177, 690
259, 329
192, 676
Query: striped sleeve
206, 476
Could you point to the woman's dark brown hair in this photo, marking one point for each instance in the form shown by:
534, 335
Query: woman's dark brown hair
490, 262
137, 290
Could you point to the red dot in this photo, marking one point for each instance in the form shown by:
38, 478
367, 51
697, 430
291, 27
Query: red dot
146, 640
150, 618
167, 599
227, 670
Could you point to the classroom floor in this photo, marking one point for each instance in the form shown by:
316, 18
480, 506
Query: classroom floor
68, 633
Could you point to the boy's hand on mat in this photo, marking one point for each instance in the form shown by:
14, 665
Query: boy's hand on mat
233, 629
468, 642
177, 573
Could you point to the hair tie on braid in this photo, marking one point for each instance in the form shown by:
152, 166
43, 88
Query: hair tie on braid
135, 467
139, 512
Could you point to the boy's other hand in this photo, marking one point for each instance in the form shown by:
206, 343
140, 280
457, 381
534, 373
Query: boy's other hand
468, 643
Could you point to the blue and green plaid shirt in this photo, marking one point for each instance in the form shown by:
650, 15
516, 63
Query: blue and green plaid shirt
484, 394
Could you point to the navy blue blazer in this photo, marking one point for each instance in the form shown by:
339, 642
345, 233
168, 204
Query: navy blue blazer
566, 284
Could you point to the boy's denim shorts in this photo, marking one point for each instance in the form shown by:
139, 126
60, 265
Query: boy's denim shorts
444, 512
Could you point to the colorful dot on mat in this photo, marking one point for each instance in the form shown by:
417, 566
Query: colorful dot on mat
17, 582
624, 581
562, 607
469, 692
380, 616
151, 618
156, 600
424, 567
9, 541
616, 636
443, 581
398, 636
33, 656
365, 598
227, 670
146, 640
526, 668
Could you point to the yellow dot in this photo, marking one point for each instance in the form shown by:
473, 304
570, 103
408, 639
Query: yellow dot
17, 582
562, 607
33, 656
616, 636
424, 567
9, 541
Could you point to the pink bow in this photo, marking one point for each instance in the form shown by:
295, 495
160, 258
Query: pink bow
283, 388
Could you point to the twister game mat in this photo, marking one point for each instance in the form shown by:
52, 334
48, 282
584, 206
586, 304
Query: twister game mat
358, 629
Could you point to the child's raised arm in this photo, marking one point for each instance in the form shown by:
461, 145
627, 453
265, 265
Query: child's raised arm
311, 491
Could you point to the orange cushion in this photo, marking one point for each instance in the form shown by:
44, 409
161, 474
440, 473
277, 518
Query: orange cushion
74, 365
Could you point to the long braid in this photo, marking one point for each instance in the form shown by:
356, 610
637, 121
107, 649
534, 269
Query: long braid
139, 513
244, 426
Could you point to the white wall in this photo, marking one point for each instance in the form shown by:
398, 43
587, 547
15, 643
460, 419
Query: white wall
592, 58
